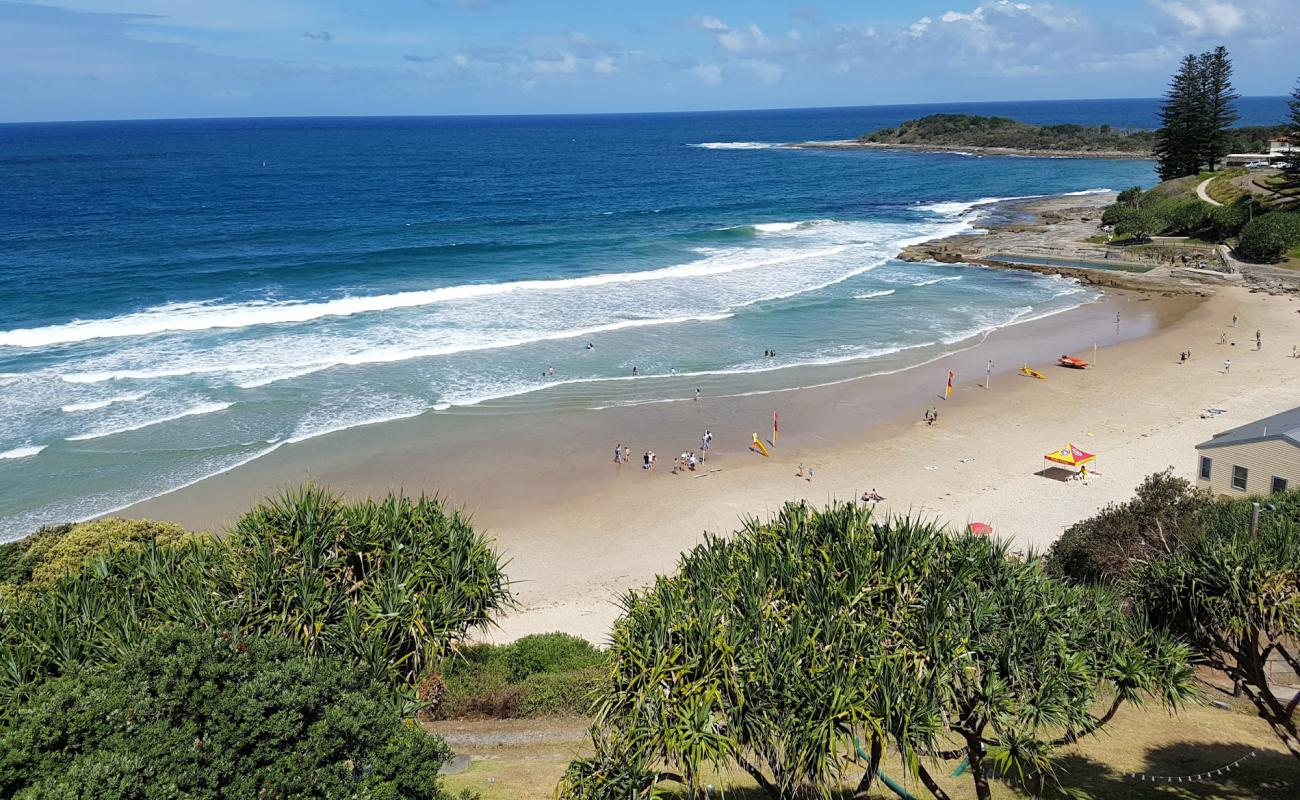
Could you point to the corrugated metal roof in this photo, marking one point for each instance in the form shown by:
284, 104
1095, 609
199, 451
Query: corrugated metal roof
1279, 426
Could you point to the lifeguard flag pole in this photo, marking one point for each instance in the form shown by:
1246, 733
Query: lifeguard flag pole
947, 392
776, 426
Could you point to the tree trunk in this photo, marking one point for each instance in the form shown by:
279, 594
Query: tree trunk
873, 767
928, 782
975, 750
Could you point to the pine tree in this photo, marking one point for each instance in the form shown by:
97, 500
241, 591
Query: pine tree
1218, 109
1293, 166
1177, 147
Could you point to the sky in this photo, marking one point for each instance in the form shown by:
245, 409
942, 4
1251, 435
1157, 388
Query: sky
121, 59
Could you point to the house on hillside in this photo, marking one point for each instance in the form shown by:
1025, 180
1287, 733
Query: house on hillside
1261, 457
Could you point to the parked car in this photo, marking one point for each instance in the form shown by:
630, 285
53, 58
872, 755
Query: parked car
1257, 165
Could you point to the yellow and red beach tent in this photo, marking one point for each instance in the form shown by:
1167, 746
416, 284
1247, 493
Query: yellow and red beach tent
1070, 456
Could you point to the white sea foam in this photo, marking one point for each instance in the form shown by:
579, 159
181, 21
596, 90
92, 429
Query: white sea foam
737, 145
206, 408
869, 295
92, 405
957, 208
932, 281
208, 316
26, 451
787, 227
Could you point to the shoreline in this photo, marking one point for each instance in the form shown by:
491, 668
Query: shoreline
856, 144
579, 531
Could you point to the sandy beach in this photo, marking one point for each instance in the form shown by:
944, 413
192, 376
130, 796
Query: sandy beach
537, 472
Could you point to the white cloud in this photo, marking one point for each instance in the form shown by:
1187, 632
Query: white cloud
765, 71
1203, 17
565, 64
747, 39
710, 74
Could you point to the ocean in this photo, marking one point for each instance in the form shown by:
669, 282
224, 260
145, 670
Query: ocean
181, 297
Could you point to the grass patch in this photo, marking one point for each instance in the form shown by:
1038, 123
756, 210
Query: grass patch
1197, 739
1222, 189
539, 675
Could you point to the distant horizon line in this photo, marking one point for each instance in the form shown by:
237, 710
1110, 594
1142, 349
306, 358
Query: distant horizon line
573, 114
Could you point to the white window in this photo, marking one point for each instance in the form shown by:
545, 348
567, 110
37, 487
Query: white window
1239, 478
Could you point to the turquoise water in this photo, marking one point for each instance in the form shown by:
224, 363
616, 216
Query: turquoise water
178, 298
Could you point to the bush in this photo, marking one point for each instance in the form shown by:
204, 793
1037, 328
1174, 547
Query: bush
1183, 217
208, 715
18, 559
551, 673
549, 652
1270, 237
1129, 195
1234, 597
56, 557
549, 693
390, 585
1107, 547
1226, 222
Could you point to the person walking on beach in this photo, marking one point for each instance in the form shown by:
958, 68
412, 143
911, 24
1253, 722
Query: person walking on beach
697, 394
1227, 365
618, 454
1234, 320
1259, 342
627, 454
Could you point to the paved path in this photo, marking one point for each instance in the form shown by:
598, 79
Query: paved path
1204, 195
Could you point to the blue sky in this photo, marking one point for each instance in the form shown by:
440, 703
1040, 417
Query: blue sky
108, 59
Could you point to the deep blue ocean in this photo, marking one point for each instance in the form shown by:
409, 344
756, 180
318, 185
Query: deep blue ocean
178, 297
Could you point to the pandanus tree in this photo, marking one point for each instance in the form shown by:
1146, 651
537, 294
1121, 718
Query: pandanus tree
1027, 664
391, 585
799, 642
1234, 595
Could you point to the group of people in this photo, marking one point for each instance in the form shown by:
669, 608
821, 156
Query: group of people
769, 354
686, 461
1183, 356
931, 416
872, 497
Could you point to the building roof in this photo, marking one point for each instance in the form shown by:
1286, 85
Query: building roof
1279, 426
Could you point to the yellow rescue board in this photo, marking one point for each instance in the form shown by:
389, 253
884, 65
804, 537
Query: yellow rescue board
1032, 373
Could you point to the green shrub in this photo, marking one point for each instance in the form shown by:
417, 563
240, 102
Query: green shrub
549, 652
390, 585
19, 558
208, 715
548, 693
1270, 237
550, 673
58, 556
1183, 217
1122, 536
1226, 222
1129, 196
1233, 594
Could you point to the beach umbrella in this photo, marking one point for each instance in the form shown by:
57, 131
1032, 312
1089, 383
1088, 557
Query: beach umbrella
980, 529
1070, 456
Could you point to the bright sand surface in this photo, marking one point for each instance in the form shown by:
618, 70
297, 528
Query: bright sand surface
579, 530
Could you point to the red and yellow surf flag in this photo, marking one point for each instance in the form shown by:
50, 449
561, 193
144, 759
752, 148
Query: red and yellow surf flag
776, 426
947, 392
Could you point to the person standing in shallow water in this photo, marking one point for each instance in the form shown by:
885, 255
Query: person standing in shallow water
618, 453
